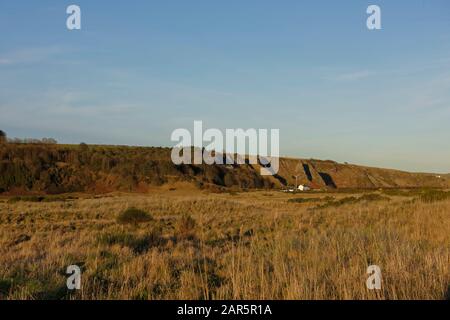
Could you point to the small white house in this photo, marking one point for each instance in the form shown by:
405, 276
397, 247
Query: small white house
303, 188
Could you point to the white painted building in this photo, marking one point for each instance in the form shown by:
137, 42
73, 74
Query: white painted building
303, 188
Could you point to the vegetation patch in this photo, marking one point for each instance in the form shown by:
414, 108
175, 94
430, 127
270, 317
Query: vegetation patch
137, 243
250, 247
407, 192
185, 228
353, 200
5, 287
309, 200
373, 197
134, 216
40, 198
435, 196
21, 238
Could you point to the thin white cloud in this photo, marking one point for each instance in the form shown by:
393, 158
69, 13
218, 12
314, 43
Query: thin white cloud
404, 70
4, 61
432, 96
30, 55
353, 76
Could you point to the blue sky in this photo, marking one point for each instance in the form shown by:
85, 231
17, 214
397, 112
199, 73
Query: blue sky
140, 69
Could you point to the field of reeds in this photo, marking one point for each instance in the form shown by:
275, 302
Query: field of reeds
253, 245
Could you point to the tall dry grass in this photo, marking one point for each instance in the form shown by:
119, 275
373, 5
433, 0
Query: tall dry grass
226, 246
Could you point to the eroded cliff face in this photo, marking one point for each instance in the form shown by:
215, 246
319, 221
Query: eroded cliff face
320, 174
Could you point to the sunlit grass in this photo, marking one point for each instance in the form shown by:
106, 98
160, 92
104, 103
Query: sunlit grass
254, 245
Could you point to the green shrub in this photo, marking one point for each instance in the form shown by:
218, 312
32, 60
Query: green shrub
133, 216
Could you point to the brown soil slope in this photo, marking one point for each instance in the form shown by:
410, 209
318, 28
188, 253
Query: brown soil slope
26, 168
317, 173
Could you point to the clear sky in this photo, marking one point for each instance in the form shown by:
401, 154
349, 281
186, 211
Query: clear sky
137, 70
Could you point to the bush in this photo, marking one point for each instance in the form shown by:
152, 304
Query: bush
2, 137
83, 147
133, 216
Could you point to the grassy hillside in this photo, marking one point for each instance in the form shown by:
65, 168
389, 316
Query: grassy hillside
53, 169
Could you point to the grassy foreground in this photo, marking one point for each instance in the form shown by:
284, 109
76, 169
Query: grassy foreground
256, 245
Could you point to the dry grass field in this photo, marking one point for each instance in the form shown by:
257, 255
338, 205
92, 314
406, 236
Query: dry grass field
252, 245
